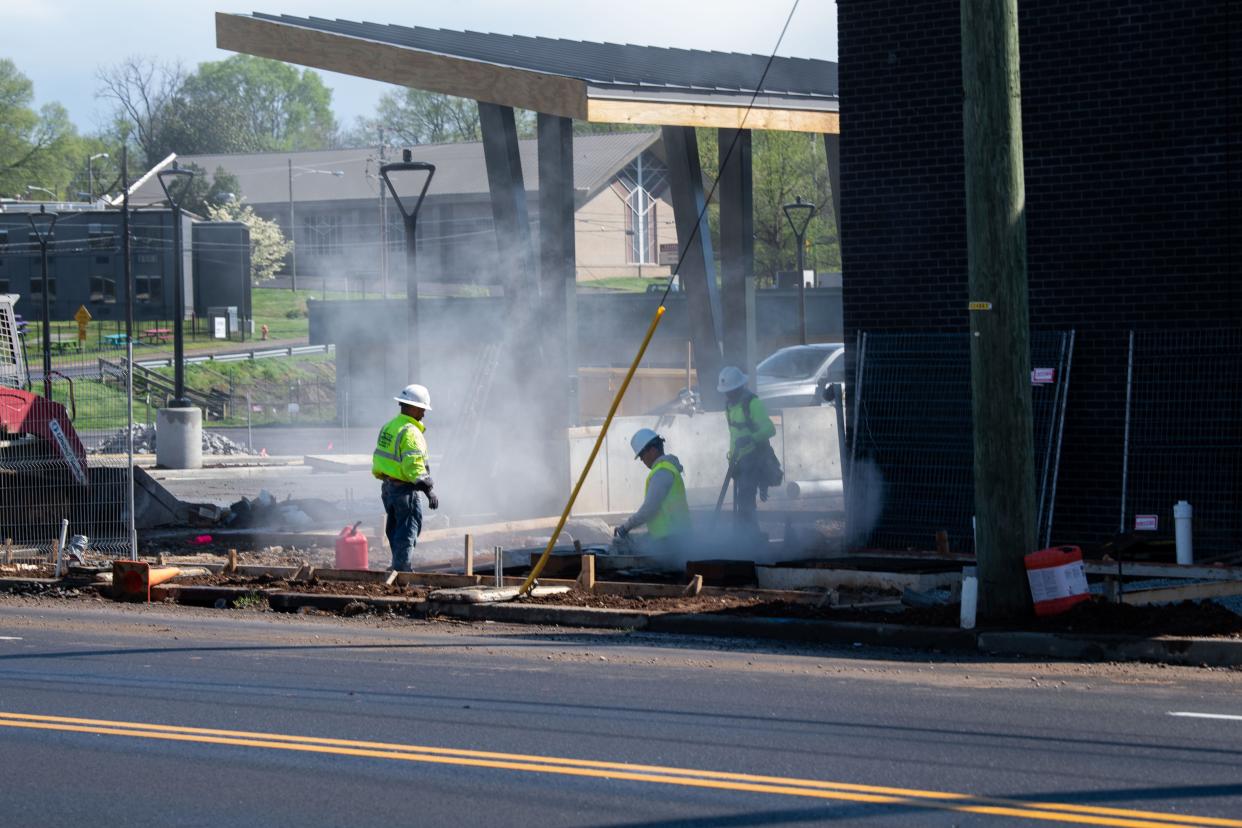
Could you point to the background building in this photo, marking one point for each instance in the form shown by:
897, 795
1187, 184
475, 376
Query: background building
343, 229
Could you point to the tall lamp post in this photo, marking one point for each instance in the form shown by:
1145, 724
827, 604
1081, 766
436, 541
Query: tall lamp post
799, 214
166, 178
90, 173
409, 207
44, 235
293, 282
30, 188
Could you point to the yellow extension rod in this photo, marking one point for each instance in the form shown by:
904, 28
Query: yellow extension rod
599, 441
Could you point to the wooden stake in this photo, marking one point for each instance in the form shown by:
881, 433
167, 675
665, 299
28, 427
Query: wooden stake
586, 578
469, 554
8, 550
695, 586
231, 566
942, 542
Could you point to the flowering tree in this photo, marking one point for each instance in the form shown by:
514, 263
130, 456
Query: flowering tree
268, 245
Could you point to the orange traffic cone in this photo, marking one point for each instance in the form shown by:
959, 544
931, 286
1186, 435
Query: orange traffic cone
132, 580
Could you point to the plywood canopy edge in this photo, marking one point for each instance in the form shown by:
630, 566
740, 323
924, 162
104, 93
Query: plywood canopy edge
657, 113
487, 82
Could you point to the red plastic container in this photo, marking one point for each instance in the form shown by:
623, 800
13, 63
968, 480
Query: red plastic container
1058, 579
351, 548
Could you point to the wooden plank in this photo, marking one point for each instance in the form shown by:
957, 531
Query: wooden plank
437, 579
469, 554
1164, 570
790, 578
487, 82
365, 576
586, 577
1189, 592
612, 111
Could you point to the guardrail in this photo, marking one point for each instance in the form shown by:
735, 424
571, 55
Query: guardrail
270, 353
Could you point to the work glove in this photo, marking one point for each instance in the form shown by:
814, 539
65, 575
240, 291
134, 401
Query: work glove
620, 532
433, 501
424, 485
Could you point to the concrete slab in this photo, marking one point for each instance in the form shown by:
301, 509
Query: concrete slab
338, 463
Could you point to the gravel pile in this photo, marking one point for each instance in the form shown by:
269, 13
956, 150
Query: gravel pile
144, 442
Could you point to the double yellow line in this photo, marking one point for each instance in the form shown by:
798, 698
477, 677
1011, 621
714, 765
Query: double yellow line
717, 780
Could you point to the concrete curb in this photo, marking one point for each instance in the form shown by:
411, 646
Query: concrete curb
1193, 652
546, 614
945, 639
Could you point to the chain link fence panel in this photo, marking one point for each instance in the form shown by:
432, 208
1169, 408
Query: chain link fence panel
1184, 437
912, 441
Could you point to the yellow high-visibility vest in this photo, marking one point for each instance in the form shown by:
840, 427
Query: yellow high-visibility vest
674, 515
757, 426
400, 450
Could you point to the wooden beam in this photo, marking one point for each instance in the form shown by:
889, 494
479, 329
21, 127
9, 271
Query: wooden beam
361, 58
611, 111
1189, 592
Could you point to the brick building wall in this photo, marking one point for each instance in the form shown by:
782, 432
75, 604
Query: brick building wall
1132, 152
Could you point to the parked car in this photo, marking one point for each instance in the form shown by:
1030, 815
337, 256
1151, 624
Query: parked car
797, 375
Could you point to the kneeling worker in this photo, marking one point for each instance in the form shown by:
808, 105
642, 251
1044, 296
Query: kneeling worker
400, 460
664, 512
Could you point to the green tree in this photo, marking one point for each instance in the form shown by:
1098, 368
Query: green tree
415, 116
268, 245
783, 165
240, 104
35, 145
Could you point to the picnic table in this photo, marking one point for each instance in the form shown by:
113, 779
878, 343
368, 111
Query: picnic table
157, 334
116, 340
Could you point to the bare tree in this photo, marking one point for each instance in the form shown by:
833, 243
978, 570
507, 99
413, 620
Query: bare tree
145, 93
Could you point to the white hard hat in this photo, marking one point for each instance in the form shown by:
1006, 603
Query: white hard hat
641, 439
731, 379
415, 395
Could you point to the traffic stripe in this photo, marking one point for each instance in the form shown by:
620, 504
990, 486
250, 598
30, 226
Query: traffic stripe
1227, 716
719, 780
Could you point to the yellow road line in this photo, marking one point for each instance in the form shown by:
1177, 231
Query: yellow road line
1047, 811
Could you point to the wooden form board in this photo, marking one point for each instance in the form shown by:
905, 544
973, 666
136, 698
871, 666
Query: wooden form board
492, 83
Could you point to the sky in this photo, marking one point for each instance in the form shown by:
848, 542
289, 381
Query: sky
60, 44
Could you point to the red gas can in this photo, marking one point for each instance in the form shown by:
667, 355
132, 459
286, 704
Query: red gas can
351, 548
1058, 579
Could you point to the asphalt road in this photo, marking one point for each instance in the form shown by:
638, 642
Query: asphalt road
152, 716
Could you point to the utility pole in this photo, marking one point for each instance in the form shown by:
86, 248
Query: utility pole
43, 230
1000, 353
293, 247
383, 219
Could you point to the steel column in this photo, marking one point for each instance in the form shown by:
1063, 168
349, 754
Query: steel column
508, 192
557, 277
832, 146
697, 273
737, 247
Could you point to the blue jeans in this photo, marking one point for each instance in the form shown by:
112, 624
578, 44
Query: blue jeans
405, 521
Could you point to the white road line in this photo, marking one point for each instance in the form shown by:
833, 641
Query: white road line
1228, 716
10, 638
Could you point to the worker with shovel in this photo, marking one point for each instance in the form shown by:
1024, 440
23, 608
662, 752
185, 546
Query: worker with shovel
752, 463
400, 460
664, 511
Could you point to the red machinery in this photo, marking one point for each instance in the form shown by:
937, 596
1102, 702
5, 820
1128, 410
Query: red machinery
38, 431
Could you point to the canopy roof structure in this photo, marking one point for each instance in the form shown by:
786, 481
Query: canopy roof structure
594, 82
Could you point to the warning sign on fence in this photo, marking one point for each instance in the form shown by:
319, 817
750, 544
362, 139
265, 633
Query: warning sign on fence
1146, 523
82, 317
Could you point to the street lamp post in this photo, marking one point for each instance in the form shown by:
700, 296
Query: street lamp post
293, 282
44, 235
32, 188
799, 215
90, 173
409, 211
174, 201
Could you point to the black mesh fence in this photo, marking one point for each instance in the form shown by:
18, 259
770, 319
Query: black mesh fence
912, 444
1184, 437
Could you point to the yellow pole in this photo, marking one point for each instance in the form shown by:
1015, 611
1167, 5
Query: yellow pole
599, 441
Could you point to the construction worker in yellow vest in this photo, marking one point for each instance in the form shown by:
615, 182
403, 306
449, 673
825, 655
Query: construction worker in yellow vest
664, 512
750, 453
401, 461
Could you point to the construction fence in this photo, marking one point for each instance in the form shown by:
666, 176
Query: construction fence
52, 412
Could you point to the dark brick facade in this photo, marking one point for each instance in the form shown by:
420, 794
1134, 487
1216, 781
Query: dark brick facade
1132, 151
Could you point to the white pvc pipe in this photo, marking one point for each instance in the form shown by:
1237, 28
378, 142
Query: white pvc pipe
1182, 513
795, 489
60, 550
970, 597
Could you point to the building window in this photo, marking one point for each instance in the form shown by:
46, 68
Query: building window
36, 287
641, 184
323, 235
149, 288
101, 237
103, 289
